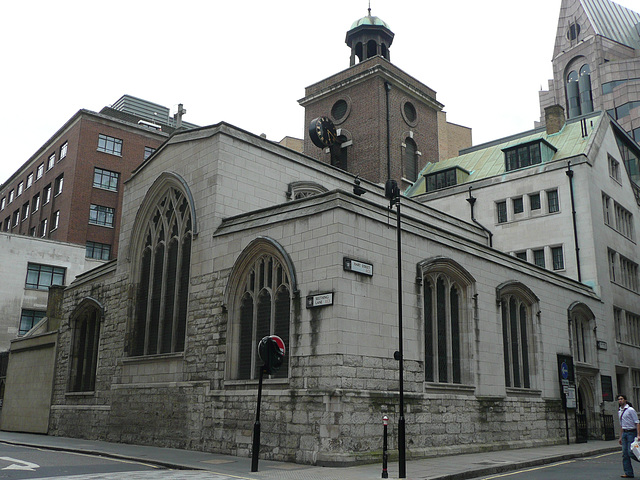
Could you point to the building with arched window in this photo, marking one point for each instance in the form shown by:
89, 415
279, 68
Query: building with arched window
220, 270
596, 63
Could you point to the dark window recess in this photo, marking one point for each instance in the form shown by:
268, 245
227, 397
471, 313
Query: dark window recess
534, 201
84, 353
339, 109
411, 160
443, 179
552, 199
558, 259
518, 205
538, 258
501, 209
339, 153
410, 112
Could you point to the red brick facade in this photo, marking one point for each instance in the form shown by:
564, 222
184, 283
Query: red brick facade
363, 88
80, 134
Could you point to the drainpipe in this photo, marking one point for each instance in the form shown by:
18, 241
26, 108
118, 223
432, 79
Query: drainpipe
569, 173
472, 201
387, 88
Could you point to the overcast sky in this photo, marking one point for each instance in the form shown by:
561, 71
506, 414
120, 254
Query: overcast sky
248, 62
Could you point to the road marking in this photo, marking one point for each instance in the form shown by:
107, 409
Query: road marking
115, 459
529, 470
603, 455
14, 466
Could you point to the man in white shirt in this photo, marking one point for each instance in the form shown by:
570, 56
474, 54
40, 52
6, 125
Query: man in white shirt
629, 430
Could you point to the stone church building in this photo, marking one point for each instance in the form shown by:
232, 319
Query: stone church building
227, 237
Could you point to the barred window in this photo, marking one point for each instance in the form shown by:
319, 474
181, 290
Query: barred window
84, 348
264, 309
162, 294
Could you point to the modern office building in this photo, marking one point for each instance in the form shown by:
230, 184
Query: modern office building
596, 64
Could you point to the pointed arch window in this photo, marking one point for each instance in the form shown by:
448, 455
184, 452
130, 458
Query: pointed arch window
84, 348
582, 323
264, 309
446, 294
161, 303
517, 304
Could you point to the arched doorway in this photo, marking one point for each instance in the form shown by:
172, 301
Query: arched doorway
585, 406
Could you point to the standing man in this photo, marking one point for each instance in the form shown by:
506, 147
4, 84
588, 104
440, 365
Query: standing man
629, 429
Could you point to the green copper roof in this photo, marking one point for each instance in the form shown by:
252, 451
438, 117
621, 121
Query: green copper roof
488, 160
369, 20
614, 21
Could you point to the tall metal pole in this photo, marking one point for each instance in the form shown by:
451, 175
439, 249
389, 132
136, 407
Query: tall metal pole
256, 428
402, 462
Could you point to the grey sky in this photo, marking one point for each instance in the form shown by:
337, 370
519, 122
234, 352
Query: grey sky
248, 62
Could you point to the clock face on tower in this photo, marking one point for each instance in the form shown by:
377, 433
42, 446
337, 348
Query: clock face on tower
322, 132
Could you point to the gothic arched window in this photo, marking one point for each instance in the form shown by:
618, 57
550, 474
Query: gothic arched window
259, 294
85, 325
582, 326
516, 304
163, 279
446, 289
265, 309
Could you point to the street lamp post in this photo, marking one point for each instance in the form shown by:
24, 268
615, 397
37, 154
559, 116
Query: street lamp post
392, 192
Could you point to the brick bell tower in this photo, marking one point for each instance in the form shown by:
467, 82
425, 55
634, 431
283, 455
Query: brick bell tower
386, 121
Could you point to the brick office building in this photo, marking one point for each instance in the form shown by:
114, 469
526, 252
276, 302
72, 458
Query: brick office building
70, 193
70, 190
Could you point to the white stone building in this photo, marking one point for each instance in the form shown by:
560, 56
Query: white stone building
29, 267
227, 237
562, 199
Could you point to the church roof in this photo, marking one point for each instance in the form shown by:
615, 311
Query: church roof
614, 21
488, 160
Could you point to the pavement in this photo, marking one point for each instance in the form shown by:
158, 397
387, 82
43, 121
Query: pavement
458, 467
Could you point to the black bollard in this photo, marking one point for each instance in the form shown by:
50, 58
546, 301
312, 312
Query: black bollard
385, 422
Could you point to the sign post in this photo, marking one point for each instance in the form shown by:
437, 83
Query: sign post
567, 387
